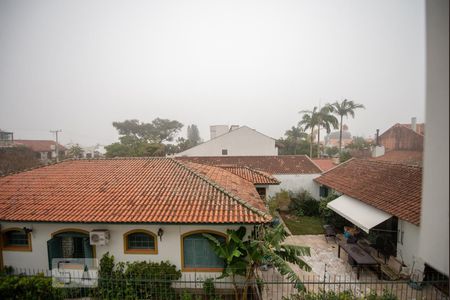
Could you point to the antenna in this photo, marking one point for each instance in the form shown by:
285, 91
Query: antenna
57, 150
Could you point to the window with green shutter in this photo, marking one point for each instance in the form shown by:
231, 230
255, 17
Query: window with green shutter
198, 253
16, 240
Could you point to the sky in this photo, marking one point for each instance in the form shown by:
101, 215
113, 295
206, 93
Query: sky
80, 65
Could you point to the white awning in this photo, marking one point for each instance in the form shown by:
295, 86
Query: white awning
359, 213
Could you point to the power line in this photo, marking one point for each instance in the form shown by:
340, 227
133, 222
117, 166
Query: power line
57, 150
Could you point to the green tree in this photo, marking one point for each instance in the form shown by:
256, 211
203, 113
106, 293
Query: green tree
326, 120
158, 131
359, 143
193, 135
341, 109
243, 257
16, 159
295, 135
75, 151
143, 139
309, 121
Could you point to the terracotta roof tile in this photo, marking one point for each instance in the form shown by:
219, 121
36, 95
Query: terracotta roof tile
403, 156
391, 187
150, 190
278, 164
254, 176
324, 164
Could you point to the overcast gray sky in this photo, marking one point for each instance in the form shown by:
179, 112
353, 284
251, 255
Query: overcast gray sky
80, 65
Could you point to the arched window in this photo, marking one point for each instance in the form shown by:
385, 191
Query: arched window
16, 239
197, 253
140, 242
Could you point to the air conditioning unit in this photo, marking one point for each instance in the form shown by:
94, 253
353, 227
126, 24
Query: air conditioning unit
99, 237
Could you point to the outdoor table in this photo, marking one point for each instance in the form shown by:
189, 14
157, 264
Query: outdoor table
361, 257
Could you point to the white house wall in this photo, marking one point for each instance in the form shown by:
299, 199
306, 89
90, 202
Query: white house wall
243, 141
168, 249
434, 220
407, 251
295, 183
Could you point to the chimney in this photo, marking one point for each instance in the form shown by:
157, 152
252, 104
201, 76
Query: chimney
414, 124
377, 138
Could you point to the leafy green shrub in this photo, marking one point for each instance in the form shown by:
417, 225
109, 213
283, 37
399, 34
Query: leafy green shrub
329, 216
280, 201
27, 287
209, 288
303, 204
136, 280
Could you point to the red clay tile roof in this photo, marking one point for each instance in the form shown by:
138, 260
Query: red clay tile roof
420, 127
324, 164
278, 164
403, 156
391, 187
40, 145
131, 190
254, 176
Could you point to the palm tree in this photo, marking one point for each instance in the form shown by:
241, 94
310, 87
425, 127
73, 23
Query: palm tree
342, 109
295, 134
326, 120
309, 121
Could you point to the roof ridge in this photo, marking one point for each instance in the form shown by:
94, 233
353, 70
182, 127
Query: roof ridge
221, 189
372, 159
266, 175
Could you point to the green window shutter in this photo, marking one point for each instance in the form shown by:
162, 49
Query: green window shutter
54, 250
87, 248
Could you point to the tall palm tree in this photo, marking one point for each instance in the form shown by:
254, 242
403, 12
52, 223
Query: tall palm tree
309, 121
295, 134
345, 108
326, 120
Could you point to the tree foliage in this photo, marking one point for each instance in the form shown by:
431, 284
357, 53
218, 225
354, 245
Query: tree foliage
243, 256
75, 151
295, 141
344, 109
320, 118
193, 135
143, 139
16, 159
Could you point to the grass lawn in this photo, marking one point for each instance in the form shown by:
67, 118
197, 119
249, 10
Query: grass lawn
303, 225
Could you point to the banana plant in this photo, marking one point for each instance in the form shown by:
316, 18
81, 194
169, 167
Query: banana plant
243, 256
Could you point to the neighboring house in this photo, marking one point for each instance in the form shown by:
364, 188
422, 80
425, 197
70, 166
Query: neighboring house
294, 172
45, 149
234, 141
403, 137
332, 139
6, 138
152, 209
380, 198
402, 156
260, 179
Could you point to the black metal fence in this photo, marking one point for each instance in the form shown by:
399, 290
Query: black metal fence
207, 286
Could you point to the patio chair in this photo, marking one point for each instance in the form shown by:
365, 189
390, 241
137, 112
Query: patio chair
330, 232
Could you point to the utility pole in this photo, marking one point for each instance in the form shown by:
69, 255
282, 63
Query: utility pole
57, 148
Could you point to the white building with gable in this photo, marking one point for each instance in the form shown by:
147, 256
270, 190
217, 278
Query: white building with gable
234, 141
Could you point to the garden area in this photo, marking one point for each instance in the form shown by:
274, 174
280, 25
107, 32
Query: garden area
303, 214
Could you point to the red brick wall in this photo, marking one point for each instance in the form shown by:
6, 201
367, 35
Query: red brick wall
399, 137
